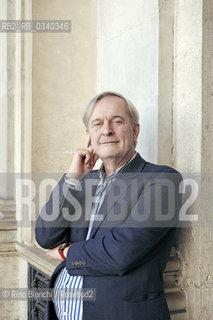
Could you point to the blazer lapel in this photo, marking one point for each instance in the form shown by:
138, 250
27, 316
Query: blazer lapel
123, 181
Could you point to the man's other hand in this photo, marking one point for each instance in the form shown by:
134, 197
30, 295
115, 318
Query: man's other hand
54, 254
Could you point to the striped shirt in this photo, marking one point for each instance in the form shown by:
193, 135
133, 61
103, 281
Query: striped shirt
73, 309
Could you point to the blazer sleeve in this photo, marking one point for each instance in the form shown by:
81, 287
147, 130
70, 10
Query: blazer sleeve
133, 242
51, 227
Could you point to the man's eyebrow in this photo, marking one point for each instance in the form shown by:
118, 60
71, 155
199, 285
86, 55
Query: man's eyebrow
97, 119
117, 116
113, 117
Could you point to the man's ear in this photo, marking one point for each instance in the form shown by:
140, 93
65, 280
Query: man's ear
136, 131
88, 138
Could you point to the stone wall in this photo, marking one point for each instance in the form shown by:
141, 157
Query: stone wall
46, 81
128, 61
63, 81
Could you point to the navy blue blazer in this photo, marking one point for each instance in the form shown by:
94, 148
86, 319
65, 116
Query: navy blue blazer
130, 244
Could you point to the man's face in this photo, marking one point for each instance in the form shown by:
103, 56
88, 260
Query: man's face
110, 129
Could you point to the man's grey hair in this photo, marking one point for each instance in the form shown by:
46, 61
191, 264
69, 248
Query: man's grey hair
132, 111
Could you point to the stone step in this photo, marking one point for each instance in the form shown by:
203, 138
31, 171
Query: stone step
173, 264
181, 315
176, 301
7, 249
8, 225
172, 289
8, 215
8, 220
8, 235
7, 205
173, 252
170, 283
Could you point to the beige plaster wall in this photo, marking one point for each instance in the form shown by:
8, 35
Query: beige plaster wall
128, 61
165, 82
63, 80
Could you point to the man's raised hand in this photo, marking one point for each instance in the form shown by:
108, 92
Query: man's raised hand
83, 161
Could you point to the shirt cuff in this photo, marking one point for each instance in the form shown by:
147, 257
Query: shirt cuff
73, 184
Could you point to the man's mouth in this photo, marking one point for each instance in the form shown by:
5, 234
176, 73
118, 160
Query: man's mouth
108, 142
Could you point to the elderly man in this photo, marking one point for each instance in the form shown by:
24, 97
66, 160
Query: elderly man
113, 228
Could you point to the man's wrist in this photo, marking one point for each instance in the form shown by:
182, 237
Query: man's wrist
66, 250
62, 250
73, 178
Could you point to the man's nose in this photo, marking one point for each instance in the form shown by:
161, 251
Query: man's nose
107, 129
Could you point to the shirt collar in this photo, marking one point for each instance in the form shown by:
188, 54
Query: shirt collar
102, 173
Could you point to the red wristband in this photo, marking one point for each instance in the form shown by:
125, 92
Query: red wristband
61, 249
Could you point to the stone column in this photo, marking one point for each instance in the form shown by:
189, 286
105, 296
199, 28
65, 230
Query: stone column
8, 254
6, 127
206, 259
23, 119
193, 146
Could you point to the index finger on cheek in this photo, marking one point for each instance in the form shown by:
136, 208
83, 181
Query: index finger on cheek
88, 142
